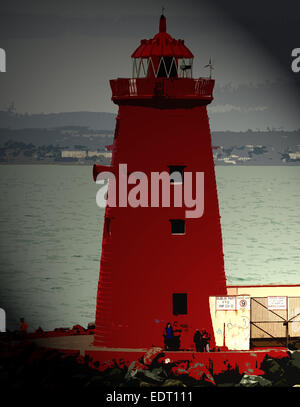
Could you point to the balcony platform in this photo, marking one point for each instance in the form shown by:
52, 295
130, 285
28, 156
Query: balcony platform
141, 91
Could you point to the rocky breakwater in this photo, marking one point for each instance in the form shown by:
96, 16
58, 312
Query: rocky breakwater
25, 365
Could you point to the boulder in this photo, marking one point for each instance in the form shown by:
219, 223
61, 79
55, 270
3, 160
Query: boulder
230, 376
115, 374
79, 379
295, 359
199, 372
193, 374
78, 329
134, 369
292, 369
121, 363
292, 346
254, 381
224, 385
173, 383
152, 355
178, 371
80, 360
272, 369
146, 384
109, 364
155, 376
179, 367
95, 381
282, 382
91, 325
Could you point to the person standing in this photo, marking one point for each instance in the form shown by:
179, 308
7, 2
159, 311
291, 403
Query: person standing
197, 340
169, 331
168, 335
23, 328
206, 339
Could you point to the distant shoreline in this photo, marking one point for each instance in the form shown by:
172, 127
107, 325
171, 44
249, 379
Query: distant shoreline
90, 164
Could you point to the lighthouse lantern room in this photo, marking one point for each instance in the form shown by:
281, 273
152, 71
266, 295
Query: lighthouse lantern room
162, 56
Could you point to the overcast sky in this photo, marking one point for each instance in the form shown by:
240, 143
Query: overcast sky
62, 54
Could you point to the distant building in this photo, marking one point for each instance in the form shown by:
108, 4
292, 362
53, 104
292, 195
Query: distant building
80, 154
295, 156
105, 154
228, 161
73, 154
244, 158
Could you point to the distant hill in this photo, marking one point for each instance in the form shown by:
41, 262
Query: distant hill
279, 139
93, 120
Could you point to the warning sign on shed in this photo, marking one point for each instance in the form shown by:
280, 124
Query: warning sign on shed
243, 302
225, 303
277, 303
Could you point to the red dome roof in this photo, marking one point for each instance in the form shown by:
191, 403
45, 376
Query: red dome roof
162, 45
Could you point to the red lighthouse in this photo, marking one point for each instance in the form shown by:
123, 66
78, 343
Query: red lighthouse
157, 264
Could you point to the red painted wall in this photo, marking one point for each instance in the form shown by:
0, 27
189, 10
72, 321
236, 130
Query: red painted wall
142, 263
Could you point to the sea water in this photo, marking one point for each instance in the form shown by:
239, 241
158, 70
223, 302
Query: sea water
51, 231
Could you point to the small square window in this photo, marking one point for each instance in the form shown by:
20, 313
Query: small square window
177, 173
180, 304
177, 226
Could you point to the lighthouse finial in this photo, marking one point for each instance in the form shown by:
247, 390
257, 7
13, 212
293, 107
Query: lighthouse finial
162, 22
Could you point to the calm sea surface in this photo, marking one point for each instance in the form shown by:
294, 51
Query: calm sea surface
51, 230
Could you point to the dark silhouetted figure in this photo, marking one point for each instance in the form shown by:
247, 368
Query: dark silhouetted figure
197, 340
169, 331
172, 342
23, 328
205, 339
168, 335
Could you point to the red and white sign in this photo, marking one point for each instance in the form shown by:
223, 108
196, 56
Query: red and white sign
277, 303
243, 302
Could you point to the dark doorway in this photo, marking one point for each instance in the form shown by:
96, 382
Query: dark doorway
180, 304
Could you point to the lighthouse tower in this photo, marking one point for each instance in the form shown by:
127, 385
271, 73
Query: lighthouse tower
157, 264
